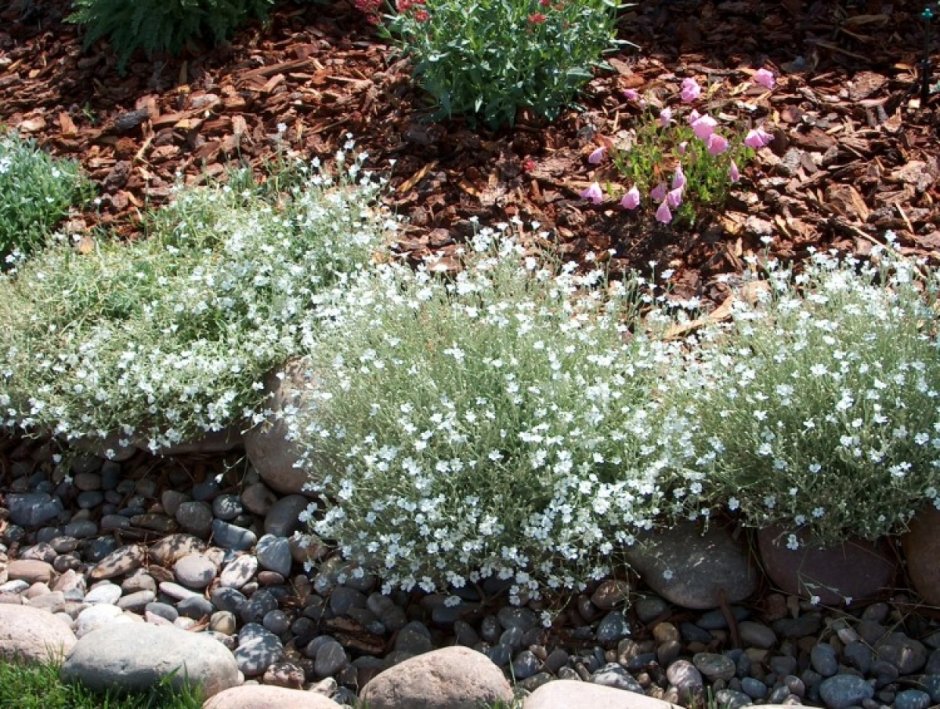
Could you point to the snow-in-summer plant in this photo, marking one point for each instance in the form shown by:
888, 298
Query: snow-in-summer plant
679, 161
494, 422
486, 59
36, 192
817, 408
169, 337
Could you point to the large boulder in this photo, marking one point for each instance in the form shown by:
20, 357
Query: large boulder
850, 572
922, 550
33, 635
450, 678
267, 445
136, 656
259, 696
694, 569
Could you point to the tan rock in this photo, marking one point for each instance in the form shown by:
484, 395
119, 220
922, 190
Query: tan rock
117, 563
922, 550
170, 549
450, 678
30, 571
266, 445
259, 696
572, 694
33, 635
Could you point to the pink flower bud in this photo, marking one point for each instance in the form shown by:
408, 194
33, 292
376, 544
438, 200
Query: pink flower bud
690, 90
658, 193
631, 94
631, 200
704, 126
665, 117
717, 144
682, 147
663, 215
597, 156
692, 117
757, 138
733, 174
593, 193
674, 197
764, 78
678, 178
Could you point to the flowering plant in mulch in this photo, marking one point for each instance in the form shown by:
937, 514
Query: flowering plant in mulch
815, 408
486, 59
679, 160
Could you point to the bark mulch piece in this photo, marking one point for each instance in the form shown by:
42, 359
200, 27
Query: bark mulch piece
855, 152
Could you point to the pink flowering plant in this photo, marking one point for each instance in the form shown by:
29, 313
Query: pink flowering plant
684, 158
489, 58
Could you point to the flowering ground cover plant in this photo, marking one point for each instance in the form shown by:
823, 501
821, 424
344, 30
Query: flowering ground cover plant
170, 336
496, 422
680, 161
818, 407
36, 192
488, 58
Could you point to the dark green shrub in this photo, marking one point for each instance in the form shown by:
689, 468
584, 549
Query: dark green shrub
158, 26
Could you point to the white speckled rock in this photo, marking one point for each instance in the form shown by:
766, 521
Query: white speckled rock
259, 696
136, 657
33, 635
450, 678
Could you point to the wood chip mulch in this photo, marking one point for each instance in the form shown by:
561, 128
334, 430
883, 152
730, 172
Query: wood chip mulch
856, 149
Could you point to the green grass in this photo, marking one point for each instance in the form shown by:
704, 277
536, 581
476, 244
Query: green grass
31, 686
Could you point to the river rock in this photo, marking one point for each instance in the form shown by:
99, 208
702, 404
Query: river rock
843, 691
117, 563
282, 519
33, 509
136, 657
572, 694
450, 678
692, 569
274, 554
856, 570
33, 635
168, 550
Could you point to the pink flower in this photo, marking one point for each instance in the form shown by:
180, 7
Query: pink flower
764, 78
593, 193
658, 193
665, 117
674, 197
597, 156
733, 174
690, 90
663, 215
757, 138
631, 94
682, 147
703, 127
631, 200
692, 117
678, 178
717, 144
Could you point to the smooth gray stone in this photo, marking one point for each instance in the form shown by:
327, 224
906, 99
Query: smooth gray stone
517, 617
196, 518
824, 660
273, 553
33, 509
137, 656
525, 665
136, 601
195, 607
260, 603
227, 507
80, 529
330, 658
613, 627
613, 675
228, 599
258, 649
282, 519
228, 536
414, 638
911, 699
842, 691
164, 610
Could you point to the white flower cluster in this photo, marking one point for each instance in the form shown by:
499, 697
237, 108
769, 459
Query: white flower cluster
491, 423
818, 406
169, 337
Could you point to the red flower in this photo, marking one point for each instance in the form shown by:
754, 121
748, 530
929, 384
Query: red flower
545, 3
528, 165
537, 18
422, 16
403, 5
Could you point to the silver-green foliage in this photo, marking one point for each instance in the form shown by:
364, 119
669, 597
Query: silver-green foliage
818, 407
494, 422
158, 26
36, 192
169, 337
